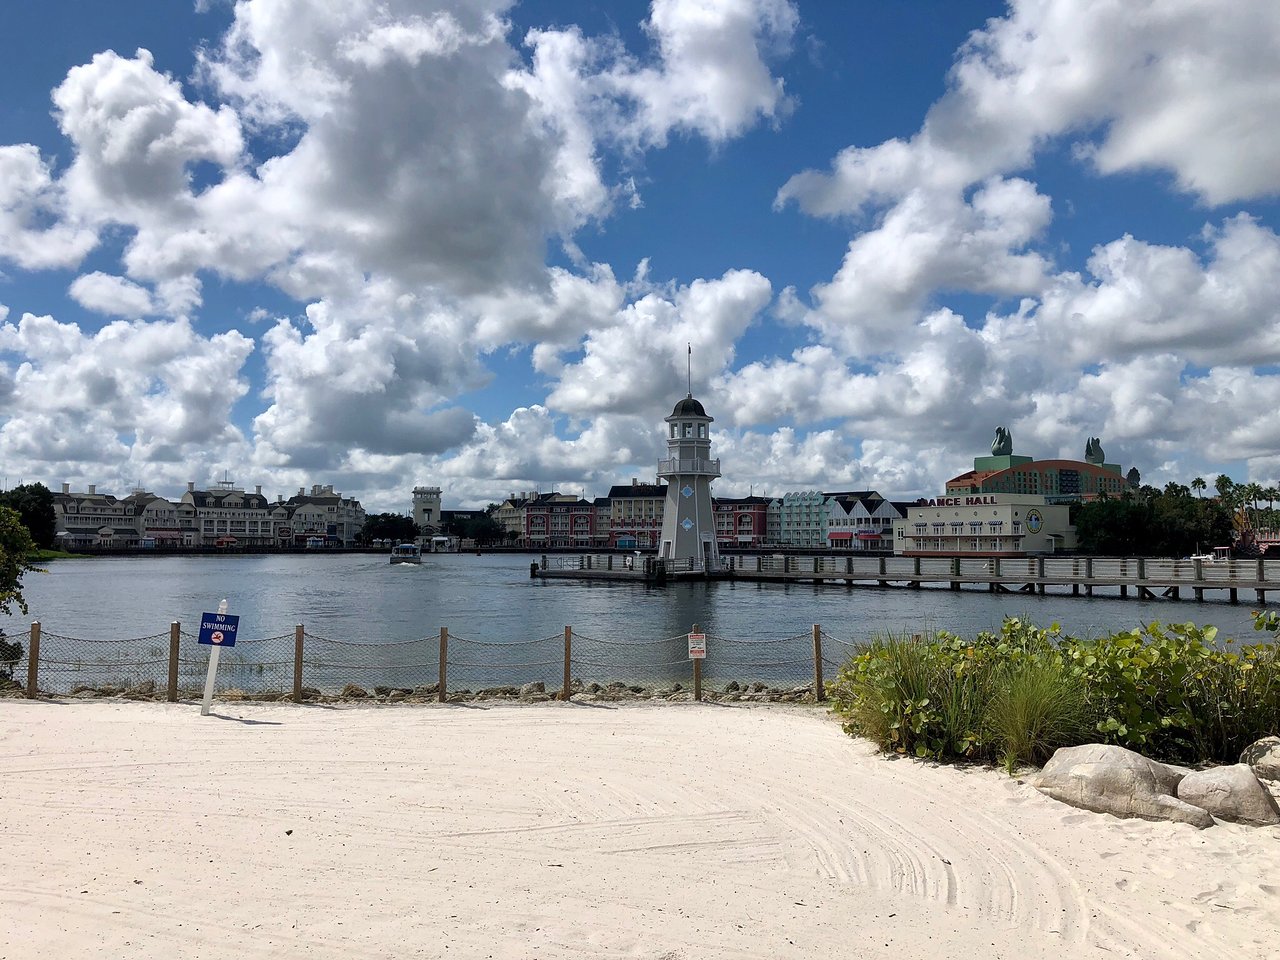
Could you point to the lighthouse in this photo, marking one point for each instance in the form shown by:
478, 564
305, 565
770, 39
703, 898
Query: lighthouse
688, 520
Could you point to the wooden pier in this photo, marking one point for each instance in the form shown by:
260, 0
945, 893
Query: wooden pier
1146, 578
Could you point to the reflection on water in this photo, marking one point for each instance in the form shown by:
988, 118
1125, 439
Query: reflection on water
491, 597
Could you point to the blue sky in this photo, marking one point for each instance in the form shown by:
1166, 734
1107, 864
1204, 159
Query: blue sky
465, 242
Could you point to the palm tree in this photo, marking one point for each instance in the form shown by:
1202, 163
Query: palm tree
1253, 493
1198, 485
1224, 485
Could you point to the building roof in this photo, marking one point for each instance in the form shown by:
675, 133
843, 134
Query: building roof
689, 407
637, 490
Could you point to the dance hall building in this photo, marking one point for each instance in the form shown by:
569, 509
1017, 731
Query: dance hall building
984, 525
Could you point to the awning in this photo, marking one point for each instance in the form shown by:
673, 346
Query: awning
868, 535
840, 535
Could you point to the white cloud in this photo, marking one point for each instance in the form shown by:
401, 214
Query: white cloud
29, 197
1188, 88
116, 296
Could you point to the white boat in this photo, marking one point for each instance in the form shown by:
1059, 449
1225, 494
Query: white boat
406, 553
1219, 555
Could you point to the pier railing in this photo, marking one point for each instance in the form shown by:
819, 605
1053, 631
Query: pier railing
443, 667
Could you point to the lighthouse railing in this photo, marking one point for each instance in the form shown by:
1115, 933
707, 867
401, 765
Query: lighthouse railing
694, 466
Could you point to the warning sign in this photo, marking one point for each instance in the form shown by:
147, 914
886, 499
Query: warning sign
697, 646
218, 629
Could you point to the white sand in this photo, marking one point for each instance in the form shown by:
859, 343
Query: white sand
554, 830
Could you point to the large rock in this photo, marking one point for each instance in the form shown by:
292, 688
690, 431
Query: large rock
1264, 757
1230, 793
1107, 779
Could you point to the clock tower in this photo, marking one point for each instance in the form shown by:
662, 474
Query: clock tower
688, 520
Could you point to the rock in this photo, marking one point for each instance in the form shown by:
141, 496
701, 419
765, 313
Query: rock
429, 691
758, 687
1264, 757
381, 691
594, 688
636, 689
311, 693
144, 689
732, 687
1230, 793
529, 689
353, 692
1107, 779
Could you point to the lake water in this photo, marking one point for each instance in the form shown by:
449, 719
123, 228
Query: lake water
490, 600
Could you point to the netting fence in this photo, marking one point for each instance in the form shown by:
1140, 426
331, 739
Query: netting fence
304, 665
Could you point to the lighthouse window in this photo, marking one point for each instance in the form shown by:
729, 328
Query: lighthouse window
702, 430
688, 429
673, 431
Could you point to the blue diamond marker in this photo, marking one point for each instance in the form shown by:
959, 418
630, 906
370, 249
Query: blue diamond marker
688, 524
687, 491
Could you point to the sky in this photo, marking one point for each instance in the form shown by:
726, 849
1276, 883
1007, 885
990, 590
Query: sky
486, 245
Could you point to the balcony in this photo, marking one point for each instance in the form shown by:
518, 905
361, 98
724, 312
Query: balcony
697, 467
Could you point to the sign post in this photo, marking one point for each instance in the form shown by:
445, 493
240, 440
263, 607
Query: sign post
217, 630
697, 653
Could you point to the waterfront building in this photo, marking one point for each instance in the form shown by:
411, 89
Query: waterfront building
984, 525
559, 520
92, 519
227, 516
324, 514
156, 520
603, 530
741, 521
635, 514
688, 520
861, 520
426, 509
799, 519
510, 515
1058, 481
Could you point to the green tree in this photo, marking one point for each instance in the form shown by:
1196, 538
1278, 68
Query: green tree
389, 526
34, 504
1198, 485
16, 549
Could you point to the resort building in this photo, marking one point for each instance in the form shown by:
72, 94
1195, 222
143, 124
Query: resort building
741, 521
225, 516
799, 519
510, 515
1058, 481
559, 520
862, 520
635, 514
984, 525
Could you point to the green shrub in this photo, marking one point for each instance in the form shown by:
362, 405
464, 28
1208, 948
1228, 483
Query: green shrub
1019, 694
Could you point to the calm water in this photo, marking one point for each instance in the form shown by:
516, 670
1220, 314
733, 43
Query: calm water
361, 597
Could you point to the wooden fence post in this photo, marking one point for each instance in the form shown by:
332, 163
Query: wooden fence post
819, 692
568, 641
175, 634
298, 634
444, 657
697, 671
33, 661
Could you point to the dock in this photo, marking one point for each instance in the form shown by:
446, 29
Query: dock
1146, 578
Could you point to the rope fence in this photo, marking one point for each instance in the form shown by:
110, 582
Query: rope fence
445, 667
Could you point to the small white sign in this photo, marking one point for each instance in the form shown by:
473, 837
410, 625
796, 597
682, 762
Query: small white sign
697, 646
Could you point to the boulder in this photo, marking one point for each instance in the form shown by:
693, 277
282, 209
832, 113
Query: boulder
529, 689
1264, 757
1230, 793
1107, 779
354, 692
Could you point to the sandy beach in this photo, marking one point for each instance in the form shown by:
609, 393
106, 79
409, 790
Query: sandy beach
575, 830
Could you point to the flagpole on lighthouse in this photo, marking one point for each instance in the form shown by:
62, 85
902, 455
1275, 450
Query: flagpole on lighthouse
688, 370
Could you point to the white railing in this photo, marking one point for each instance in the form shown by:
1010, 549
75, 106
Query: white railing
699, 467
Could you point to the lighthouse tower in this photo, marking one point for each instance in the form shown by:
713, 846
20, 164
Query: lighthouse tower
688, 521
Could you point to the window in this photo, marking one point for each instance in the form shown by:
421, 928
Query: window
702, 430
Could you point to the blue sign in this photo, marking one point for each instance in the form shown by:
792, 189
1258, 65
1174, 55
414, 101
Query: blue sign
218, 629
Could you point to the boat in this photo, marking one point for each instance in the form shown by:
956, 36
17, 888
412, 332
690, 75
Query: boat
1219, 555
406, 553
